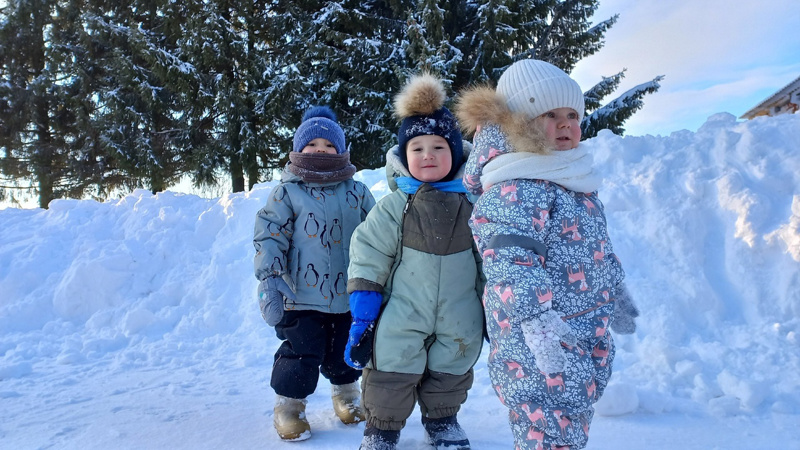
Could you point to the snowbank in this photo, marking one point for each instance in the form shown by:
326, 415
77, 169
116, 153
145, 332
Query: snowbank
104, 299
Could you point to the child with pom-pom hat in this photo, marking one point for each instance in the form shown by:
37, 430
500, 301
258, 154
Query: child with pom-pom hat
415, 281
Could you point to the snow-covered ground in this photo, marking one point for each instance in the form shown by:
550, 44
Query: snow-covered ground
133, 323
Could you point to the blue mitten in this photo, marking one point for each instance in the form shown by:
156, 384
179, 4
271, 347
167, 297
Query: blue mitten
625, 311
271, 291
365, 306
543, 336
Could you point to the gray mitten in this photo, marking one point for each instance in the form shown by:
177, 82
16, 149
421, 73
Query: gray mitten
543, 335
625, 311
271, 291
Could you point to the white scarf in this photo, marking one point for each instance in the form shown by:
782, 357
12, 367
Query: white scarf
572, 169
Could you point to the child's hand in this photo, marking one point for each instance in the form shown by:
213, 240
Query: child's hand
365, 306
625, 311
543, 335
271, 291
358, 351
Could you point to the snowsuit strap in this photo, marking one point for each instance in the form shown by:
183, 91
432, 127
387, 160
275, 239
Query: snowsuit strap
514, 240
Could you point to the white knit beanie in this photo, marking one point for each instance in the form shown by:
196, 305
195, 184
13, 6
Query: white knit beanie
534, 87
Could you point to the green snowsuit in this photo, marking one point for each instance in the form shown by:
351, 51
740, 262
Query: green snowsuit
418, 251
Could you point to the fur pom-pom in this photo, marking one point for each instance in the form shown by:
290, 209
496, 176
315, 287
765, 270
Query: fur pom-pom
319, 111
421, 96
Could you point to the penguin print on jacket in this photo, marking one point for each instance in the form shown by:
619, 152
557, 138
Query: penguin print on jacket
288, 228
311, 276
352, 200
360, 189
311, 226
277, 266
279, 193
340, 285
274, 229
336, 232
325, 287
316, 193
323, 236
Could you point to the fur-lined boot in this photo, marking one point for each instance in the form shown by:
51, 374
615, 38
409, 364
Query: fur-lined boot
347, 402
289, 418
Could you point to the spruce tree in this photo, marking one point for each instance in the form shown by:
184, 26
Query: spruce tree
614, 114
92, 171
488, 33
48, 146
492, 34
221, 43
344, 54
140, 108
428, 46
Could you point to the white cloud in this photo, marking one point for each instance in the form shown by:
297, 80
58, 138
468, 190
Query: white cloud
716, 55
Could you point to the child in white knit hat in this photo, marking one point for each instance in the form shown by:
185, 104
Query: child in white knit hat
554, 285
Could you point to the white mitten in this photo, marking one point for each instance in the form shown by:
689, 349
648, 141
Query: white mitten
543, 335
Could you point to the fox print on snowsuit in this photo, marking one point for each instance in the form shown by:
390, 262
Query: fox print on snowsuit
546, 252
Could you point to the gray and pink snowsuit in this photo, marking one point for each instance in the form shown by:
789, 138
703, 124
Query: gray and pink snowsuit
543, 247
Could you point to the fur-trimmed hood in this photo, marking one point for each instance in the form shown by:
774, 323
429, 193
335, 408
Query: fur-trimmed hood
482, 111
508, 146
476, 107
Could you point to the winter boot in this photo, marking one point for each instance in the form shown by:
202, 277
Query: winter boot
290, 418
375, 439
445, 433
346, 402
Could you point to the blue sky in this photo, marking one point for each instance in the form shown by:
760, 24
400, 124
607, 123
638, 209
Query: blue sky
716, 55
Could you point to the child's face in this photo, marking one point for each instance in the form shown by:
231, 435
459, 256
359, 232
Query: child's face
429, 158
320, 145
561, 128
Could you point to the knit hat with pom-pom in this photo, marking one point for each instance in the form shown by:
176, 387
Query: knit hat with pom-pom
319, 122
420, 106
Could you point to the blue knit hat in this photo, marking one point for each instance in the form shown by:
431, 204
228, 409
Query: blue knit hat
319, 122
421, 107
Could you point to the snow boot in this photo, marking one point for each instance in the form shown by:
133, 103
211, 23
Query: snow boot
445, 433
376, 439
346, 402
289, 418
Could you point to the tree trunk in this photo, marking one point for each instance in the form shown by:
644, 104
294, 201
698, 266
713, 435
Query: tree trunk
43, 147
237, 174
252, 176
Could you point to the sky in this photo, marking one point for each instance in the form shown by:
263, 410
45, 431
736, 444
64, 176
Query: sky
133, 323
716, 56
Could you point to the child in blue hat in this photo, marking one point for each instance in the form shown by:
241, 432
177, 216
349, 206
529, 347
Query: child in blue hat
302, 237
